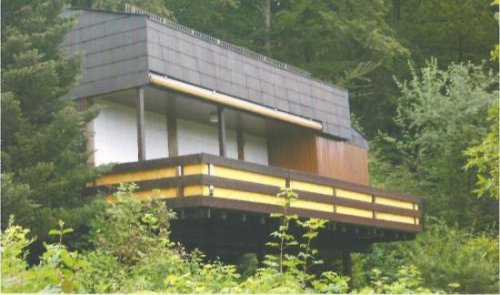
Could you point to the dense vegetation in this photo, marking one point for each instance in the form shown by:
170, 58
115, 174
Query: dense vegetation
132, 252
423, 87
43, 161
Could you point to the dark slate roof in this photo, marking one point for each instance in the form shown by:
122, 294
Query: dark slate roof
114, 47
120, 49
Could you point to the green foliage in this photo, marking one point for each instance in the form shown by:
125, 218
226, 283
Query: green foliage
151, 263
248, 264
156, 6
43, 166
485, 158
330, 282
288, 267
440, 113
206, 278
53, 274
447, 258
442, 258
129, 229
407, 280
284, 239
307, 254
237, 21
269, 280
14, 242
451, 31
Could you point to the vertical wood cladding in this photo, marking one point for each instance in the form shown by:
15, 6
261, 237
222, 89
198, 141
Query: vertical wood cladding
341, 160
294, 151
320, 156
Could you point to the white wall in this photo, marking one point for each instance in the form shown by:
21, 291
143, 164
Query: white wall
156, 135
195, 138
115, 137
255, 149
115, 134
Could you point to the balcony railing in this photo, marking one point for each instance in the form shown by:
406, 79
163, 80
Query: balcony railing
210, 181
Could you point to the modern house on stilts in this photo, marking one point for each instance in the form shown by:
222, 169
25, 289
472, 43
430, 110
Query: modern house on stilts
219, 129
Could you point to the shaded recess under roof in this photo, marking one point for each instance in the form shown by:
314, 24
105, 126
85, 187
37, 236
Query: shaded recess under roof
121, 49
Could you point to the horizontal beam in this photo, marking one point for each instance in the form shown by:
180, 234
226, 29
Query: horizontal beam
233, 102
237, 205
219, 182
257, 168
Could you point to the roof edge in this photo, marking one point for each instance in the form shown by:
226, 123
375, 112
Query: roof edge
134, 11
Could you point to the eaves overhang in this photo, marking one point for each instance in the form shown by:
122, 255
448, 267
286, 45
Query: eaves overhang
231, 101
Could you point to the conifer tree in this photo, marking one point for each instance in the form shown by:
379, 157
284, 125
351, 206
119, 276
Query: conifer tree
44, 163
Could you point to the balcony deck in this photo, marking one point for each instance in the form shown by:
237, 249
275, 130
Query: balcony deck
209, 181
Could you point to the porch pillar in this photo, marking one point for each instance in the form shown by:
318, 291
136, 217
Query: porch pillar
222, 131
141, 136
173, 147
240, 142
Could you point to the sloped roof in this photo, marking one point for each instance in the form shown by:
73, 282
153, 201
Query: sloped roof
121, 49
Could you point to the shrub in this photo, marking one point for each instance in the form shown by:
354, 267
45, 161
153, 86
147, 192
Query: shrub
448, 258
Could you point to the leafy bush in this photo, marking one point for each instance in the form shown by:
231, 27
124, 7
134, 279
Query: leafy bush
53, 274
407, 280
447, 257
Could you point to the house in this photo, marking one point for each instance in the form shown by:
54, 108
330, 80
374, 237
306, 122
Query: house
219, 129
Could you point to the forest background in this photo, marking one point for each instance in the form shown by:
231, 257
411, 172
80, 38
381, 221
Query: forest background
422, 77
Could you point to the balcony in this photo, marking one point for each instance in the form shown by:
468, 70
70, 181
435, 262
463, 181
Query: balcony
219, 183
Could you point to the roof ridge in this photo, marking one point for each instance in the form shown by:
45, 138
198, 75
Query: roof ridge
224, 44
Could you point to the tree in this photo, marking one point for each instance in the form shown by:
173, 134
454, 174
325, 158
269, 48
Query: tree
339, 41
44, 164
238, 21
484, 157
440, 114
451, 31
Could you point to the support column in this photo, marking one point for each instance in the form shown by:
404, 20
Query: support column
141, 136
347, 265
240, 142
173, 147
222, 131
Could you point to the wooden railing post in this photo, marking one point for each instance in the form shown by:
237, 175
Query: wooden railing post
180, 174
374, 214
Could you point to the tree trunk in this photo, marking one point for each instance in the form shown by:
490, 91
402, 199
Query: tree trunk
267, 25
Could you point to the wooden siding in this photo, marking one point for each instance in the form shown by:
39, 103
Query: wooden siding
294, 151
341, 160
320, 156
